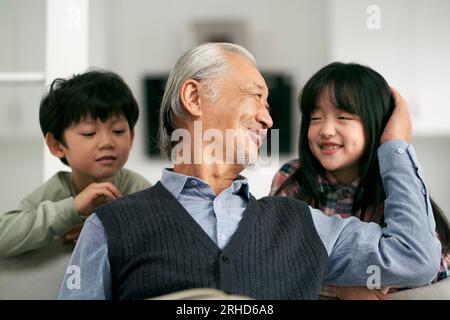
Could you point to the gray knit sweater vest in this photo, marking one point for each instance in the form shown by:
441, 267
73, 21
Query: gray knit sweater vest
155, 247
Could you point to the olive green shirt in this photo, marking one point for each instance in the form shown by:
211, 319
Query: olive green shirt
50, 211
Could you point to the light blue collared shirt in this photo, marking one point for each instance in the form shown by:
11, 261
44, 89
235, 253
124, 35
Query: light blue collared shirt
404, 253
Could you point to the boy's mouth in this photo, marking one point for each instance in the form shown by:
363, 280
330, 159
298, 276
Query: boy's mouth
106, 159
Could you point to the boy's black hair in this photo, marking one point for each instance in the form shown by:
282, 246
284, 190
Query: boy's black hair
96, 94
359, 90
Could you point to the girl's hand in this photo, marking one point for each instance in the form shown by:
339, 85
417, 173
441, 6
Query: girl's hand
399, 126
361, 293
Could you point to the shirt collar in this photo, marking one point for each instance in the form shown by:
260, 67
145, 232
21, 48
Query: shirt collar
329, 184
176, 182
240, 186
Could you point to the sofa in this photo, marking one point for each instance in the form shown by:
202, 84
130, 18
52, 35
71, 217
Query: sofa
39, 274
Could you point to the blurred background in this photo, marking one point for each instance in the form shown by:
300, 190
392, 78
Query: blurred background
407, 41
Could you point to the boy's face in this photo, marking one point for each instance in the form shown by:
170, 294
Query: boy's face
96, 150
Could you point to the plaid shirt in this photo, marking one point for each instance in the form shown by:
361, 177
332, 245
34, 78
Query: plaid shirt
337, 199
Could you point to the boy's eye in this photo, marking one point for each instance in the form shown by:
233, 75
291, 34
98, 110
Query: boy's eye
88, 134
345, 118
121, 131
314, 118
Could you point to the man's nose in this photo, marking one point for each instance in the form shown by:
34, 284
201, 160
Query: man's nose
264, 118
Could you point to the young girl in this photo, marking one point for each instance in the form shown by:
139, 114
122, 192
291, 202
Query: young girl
344, 109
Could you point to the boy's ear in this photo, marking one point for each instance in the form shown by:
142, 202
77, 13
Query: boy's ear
191, 98
132, 135
54, 145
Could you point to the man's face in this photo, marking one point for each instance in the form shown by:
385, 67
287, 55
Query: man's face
241, 106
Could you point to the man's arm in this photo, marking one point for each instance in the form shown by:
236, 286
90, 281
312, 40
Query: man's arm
404, 253
88, 275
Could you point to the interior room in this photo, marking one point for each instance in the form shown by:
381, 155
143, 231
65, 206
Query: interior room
405, 40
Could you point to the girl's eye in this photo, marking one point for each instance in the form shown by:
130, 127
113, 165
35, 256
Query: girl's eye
88, 134
315, 118
345, 118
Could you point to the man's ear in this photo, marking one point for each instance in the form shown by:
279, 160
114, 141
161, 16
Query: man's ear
54, 145
191, 98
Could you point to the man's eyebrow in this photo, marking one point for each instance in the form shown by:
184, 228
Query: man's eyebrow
253, 86
257, 85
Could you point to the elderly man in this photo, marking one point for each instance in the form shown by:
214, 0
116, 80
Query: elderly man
199, 226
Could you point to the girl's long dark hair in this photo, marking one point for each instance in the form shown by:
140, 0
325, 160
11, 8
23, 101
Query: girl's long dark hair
362, 91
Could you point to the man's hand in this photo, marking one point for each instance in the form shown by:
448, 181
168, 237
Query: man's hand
361, 293
95, 195
399, 126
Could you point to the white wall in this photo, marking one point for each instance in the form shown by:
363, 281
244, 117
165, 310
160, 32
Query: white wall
22, 43
433, 154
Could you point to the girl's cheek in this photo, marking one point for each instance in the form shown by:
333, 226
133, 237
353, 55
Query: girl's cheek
312, 133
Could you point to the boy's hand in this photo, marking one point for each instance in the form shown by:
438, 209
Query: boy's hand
399, 126
95, 195
73, 234
361, 293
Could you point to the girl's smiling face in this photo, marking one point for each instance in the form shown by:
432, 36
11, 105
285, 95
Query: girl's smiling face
336, 139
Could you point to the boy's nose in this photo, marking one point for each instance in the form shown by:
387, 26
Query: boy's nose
105, 141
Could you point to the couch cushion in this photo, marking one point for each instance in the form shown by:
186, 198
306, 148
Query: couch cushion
437, 291
37, 274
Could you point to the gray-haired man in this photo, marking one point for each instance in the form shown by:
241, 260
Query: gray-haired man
201, 227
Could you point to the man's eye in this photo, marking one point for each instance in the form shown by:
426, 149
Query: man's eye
88, 134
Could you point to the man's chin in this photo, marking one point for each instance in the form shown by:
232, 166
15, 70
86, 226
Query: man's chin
248, 158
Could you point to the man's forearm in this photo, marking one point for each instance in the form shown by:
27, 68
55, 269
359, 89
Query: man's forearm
405, 252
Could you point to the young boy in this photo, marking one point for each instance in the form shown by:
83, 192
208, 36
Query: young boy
88, 123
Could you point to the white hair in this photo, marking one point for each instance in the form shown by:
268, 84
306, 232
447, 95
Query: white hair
204, 63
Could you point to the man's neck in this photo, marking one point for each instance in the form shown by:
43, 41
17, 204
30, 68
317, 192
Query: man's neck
218, 176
